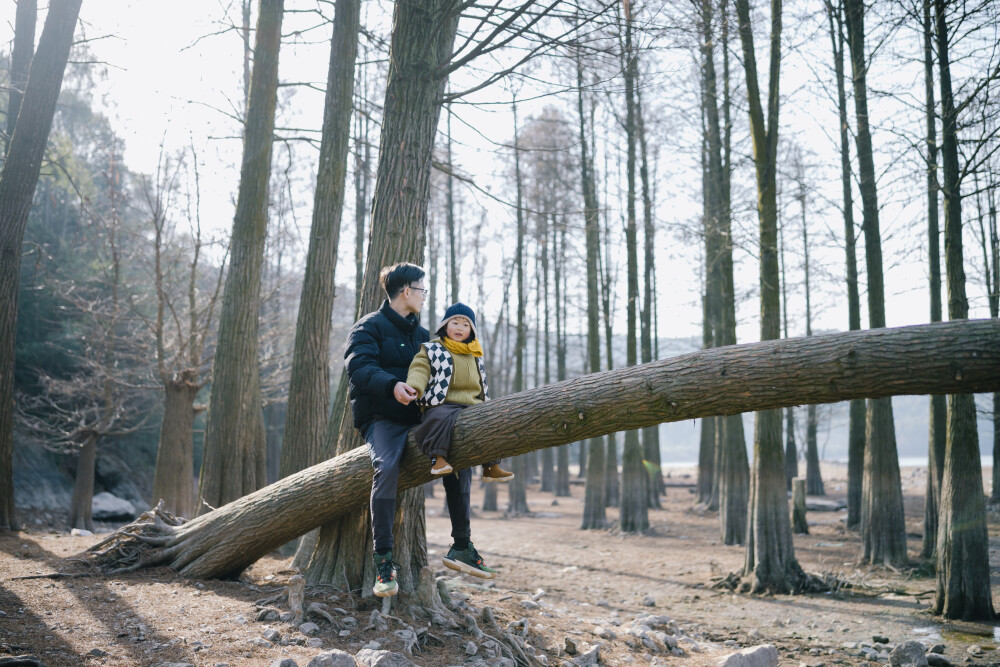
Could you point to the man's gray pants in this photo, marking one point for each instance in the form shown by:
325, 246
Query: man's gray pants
386, 440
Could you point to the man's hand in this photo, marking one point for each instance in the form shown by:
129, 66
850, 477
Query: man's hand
404, 393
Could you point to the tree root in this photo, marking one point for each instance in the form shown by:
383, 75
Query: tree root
800, 584
149, 540
511, 645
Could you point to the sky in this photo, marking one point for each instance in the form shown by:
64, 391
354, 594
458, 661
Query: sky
172, 77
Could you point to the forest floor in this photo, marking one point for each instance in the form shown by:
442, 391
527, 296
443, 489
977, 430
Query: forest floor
584, 586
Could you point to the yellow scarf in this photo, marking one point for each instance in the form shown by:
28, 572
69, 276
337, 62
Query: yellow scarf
455, 347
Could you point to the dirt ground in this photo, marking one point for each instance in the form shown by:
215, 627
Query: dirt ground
566, 583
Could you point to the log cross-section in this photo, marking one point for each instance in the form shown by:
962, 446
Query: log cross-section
948, 358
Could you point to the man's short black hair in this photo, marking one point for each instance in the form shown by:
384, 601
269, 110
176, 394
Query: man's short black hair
394, 278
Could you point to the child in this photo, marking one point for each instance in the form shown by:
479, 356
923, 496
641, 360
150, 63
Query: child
448, 375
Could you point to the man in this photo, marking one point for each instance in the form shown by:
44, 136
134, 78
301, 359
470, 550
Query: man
380, 347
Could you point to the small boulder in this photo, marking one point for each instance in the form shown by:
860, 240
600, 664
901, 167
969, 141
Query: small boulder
880, 639
648, 601
376, 658
309, 628
333, 658
284, 662
765, 655
591, 657
80, 532
937, 660
908, 654
109, 507
271, 635
471, 648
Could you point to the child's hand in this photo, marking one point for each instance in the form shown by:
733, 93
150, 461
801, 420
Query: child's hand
404, 393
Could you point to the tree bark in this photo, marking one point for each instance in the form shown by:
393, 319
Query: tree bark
963, 563
173, 480
814, 479
938, 413
309, 385
17, 189
422, 40
939, 358
883, 532
235, 445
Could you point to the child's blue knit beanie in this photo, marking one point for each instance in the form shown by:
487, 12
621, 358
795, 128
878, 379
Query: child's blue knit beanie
459, 310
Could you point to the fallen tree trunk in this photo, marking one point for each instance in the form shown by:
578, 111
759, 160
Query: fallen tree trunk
949, 358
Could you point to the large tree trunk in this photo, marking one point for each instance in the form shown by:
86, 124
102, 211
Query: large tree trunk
814, 479
883, 532
934, 358
938, 414
81, 504
856, 419
963, 563
594, 499
17, 189
173, 481
309, 385
422, 40
634, 515
770, 563
235, 446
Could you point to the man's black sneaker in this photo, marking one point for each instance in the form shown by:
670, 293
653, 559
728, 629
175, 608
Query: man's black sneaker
385, 576
468, 561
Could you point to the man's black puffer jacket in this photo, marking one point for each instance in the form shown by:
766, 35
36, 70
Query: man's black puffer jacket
380, 347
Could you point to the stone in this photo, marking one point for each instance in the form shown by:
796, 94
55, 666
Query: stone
529, 604
349, 622
80, 532
333, 658
314, 642
286, 616
604, 633
471, 648
284, 662
376, 658
765, 655
97, 653
648, 601
344, 633
937, 648
689, 644
569, 646
591, 657
270, 634
754, 634
109, 507
937, 660
880, 639
309, 628
261, 642
975, 649
908, 654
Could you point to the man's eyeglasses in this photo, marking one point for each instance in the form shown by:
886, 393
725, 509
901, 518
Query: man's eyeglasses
423, 291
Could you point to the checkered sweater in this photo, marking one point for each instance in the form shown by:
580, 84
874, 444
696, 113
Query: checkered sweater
440, 376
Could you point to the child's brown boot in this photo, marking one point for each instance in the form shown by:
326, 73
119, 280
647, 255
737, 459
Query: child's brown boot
494, 473
440, 467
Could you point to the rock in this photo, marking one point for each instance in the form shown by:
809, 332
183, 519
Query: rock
569, 646
284, 662
109, 507
285, 616
502, 662
754, 634
765, 655
869, 653
908, 654
373, 645
880, 639
309, 628
240, 620
333, 658
344, 633
937, 648
349, 622
604, 633
174, 664
689, 644
975, 649
261, 642
375, 658
270, 634
80, 532
937, 660
471, 648
530, 604
591, 657
314, 642
267, 614
97, 653
648, 601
